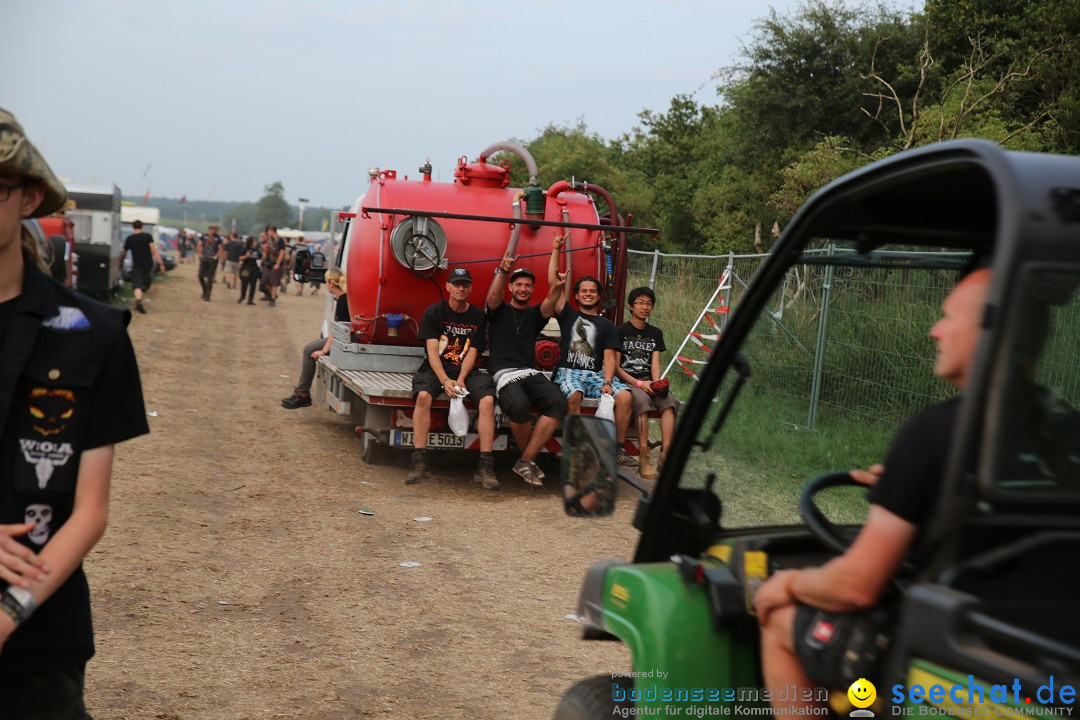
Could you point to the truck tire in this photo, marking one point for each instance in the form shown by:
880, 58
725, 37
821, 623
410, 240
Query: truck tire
591, 699
372, 453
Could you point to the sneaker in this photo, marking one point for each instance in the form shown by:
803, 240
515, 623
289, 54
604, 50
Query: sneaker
139, 308
624, 459
272, 303
250, 302
485, 473
527, 470
418, 468
297, 400
240, 300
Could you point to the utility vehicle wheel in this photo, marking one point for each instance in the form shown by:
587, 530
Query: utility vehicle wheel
591, 699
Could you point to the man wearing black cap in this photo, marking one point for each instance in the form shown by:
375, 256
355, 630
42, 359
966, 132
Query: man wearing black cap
69, 392
514, 326
453, 335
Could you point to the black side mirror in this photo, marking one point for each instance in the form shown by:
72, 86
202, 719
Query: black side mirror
588, 466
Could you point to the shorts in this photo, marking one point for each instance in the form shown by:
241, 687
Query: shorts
643, 402
271, 276
587, 382
141, 277
232, 267
478, 383
516, 399
836, 649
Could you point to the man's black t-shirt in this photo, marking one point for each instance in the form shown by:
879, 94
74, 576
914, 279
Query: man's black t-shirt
636, 348
78, 390
584, 340
139, 245
915, 464
513, 336
457, 333
233, 250
210, 247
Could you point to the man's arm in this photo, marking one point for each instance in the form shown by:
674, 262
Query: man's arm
553, 271
853, 581
611, 362
467, 366
495, 291
67, 548
432, 347
555, 291
157, 256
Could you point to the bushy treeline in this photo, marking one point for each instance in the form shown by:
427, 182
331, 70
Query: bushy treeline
821, 92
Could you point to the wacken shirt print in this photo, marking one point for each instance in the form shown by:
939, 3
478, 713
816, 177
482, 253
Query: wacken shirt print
637, 347
456, 332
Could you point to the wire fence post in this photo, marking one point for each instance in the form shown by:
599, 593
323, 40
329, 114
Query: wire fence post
655, 263
730, 272
819, 351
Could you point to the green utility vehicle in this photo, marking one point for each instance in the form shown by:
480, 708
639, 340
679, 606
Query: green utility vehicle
824, 356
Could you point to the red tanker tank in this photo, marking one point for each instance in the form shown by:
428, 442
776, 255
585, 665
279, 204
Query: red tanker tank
409, 233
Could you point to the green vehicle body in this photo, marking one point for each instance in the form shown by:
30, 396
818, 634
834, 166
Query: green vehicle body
687, 633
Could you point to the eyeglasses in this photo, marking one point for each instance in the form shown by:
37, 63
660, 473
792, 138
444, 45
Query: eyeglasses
5, 190
643, 303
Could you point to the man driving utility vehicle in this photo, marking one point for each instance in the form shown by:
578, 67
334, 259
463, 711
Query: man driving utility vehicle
818, 624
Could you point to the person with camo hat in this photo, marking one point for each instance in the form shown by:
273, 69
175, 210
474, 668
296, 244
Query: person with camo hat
69, 391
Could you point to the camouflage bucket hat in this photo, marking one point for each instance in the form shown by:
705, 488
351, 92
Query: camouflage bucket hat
19, 157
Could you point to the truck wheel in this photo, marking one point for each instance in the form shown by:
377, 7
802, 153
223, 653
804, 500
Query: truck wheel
372, 453
593, 698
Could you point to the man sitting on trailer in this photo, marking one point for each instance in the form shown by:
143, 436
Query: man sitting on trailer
453, 334
514, 326
590, 349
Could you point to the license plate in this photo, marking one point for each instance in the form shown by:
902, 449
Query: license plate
404, 438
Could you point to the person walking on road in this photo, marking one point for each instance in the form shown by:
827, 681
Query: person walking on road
210, 255
249, 270
69, 392
143, 254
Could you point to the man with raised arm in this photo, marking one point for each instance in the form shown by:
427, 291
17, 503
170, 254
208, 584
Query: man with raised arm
514, 327
590, 349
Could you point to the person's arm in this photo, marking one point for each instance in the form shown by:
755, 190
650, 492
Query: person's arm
553, 270
555, 291
495, 291
66, 549
157, 256
18, 562
467, 365
432, 347
852, 581
611, 362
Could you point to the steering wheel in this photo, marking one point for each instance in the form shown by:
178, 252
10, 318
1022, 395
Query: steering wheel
821, 527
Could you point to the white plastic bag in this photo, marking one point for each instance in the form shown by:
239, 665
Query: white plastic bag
459, 417
607, 408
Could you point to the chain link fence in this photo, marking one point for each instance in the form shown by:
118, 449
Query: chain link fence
836, 340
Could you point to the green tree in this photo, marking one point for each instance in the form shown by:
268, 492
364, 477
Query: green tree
272, 209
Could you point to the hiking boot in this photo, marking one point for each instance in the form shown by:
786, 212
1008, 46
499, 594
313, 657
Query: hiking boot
139, 308
418, 468
645, 466
297, 400
250, 302
485, 472
528, 472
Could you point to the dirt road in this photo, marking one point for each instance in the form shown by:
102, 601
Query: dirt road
237, 579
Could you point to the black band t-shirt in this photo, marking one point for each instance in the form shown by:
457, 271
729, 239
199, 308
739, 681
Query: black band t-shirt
456, 332
210, 247
233, 250
584, 340
139, 245
513, 336
636, 348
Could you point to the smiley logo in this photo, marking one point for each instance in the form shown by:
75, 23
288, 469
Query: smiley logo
862, 693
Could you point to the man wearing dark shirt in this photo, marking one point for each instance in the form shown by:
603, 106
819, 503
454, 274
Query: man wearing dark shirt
589, 354
453, 335
210, 255
514, 327
143, 254
804, 613
639, 367
234, 248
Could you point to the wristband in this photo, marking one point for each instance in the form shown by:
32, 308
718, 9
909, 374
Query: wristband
606, 382
18, 604
640, 383
499, 270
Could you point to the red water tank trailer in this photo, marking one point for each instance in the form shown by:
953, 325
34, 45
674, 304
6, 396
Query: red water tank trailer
409, 234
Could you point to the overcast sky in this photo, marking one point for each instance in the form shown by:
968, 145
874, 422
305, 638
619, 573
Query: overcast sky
221, 97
